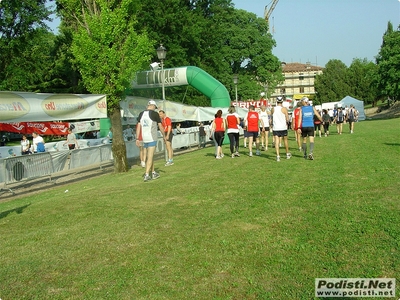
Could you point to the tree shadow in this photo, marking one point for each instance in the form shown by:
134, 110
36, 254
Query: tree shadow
18, 210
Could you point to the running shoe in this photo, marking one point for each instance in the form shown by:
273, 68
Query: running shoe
169, 163
288, 155
143, 164
250, 154
146, 178
155, 175
258, 152
310, 156
278, 158
218, 157
233, 155
237, 154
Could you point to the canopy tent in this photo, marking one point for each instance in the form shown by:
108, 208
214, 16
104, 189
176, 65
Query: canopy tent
358, 104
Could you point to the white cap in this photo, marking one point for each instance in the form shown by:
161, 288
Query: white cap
152, 102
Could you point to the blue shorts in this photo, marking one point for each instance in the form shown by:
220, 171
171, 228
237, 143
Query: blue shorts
253, 134
150, 144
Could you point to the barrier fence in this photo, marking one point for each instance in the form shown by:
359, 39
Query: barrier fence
21, 168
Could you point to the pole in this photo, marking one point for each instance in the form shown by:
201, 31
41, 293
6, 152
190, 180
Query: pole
162, 79
236, 95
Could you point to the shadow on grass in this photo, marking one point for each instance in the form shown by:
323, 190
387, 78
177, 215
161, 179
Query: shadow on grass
18, 210
392, 144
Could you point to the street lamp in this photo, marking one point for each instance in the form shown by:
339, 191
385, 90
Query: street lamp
235, 81
162, 54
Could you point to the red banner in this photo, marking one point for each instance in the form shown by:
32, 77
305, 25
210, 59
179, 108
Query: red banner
42, 128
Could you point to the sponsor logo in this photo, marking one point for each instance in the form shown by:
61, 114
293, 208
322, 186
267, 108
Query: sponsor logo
62, 106
13, 106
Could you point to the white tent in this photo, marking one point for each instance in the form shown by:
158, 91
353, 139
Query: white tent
358, 104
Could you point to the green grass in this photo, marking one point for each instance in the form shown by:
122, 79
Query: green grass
243, 228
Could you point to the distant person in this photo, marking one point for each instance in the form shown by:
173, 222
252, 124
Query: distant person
253, 124
139, 144
110, 135
148, 121
128, 133
25, 145
232, 122
306, 126
339, 120
296, 114
219, 127
317, 125
38, 143
202, 135
326, 121
280, 119
265, 116
167, 124
351, 117
71, 140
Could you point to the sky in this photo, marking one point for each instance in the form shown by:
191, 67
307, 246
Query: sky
317, 31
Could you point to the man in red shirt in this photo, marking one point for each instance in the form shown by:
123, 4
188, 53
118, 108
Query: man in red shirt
167, 124
253, 122
296, 114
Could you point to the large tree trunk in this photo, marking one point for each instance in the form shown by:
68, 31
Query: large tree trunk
118, 143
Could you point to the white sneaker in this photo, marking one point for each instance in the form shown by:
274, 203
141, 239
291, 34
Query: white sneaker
169, 163
250, 154
288, 155
278, 158
218, 157
143, 164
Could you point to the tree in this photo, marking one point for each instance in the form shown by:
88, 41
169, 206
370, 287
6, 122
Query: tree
332, 84
361, 77
25, 45
107, 52
218, 39
388, 61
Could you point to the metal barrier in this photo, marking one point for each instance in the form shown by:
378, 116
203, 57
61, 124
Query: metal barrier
27, 167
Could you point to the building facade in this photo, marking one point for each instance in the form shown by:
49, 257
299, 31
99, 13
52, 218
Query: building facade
299, 80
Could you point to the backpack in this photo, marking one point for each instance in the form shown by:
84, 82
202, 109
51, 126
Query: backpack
40, 147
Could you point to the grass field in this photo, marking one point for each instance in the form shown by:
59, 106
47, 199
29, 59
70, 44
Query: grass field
243, 228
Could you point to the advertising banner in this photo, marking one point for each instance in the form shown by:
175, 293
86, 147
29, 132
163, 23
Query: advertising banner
32, 107
43, 128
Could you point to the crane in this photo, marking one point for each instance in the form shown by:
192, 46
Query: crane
268, 11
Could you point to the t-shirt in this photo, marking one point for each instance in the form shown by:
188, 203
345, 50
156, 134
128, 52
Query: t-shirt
232, 122
264, 117
279, 119
219, 124
167, 122
252, 119
149, 120
296, 115
307, 113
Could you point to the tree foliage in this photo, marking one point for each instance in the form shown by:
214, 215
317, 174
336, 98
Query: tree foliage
388, 62
107, 52
25, 45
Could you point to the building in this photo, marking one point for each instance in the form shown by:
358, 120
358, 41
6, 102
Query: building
299, 80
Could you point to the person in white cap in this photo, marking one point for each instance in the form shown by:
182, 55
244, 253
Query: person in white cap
148, 121
280, 119
305, 125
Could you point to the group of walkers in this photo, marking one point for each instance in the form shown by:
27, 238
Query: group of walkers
257, 125
305, 120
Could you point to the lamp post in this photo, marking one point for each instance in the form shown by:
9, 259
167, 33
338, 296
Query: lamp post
162, 53
235, 82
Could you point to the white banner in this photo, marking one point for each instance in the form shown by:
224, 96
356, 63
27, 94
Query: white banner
32, 107
132, 106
